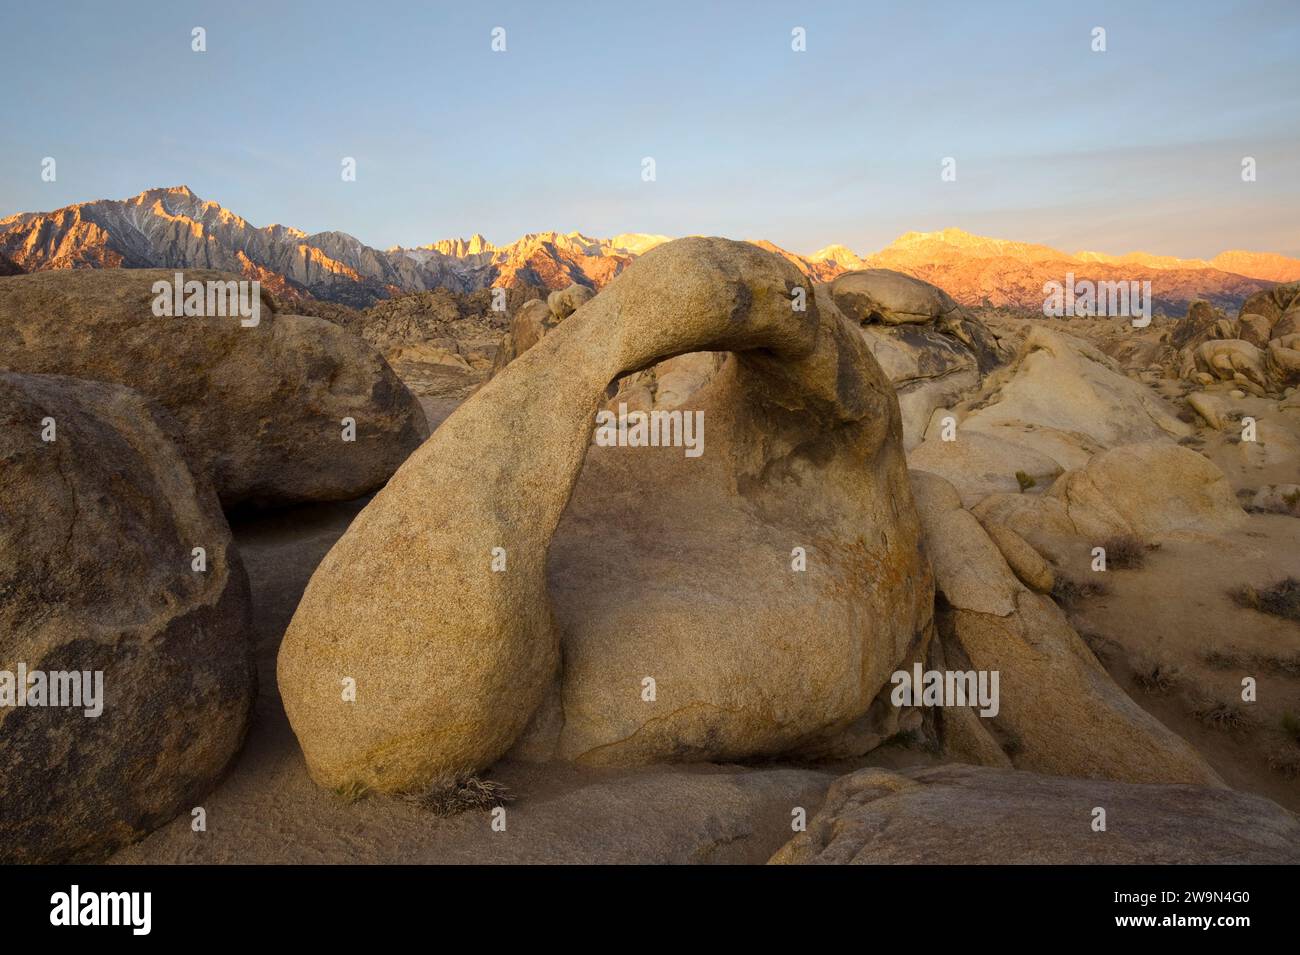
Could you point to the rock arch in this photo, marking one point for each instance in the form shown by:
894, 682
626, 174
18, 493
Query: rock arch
453, 660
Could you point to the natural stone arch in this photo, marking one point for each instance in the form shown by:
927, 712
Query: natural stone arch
452, 660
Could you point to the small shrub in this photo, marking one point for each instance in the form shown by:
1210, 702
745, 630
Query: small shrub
1025, 481
1277, 663
1284, 760
1126, 552
1157, 677
1222, 660
1069, 592
467, 795
1222, 715
1282, 599
354, 791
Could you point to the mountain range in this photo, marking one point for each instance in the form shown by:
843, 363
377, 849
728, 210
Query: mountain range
174, 228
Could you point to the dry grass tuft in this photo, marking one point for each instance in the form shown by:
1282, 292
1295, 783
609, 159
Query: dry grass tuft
1223, 659
1223, 715
1282, 599
1157, 677
354, 791
468, 795
1069, 592
1285, 761
1126, 552
1278, 663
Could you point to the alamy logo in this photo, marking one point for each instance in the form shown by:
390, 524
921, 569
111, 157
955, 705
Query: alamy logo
651, 429
103, 908
71, 688
1086, 299
214, 298
947, 688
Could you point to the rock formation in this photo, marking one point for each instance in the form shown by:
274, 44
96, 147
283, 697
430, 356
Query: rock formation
98, 530
1258, 352
452, 659
261, 408
968, 815
1056, 405
1059, 711
931, 349
1151, 491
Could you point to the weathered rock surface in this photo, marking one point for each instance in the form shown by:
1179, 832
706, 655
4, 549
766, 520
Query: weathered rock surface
930, 348
564, 302
969, 815
1025, 562
1202, 323
1259, 352
97, 531
1277, 499
1062, 387
530, 323
261, 408
1229, 360
1059, 710
1150, 490
1275, 303
1282, 362
452, 660
979, 464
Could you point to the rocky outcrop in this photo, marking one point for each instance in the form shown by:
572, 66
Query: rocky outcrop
530, 324
980, 464
1059, 388
1231, 360
931, 349
1202, 323
1259, 352
1059, 712
262, 407
968, 815
99, 527
678, 660
1282, 362
1274, 304
564, 302
1059, 403
534, 319
1150, 491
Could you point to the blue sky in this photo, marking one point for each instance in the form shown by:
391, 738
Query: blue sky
1137, 147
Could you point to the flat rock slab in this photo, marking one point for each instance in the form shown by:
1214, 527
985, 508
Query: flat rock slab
959, 814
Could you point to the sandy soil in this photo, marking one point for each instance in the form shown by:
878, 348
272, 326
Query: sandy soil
1175, 613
